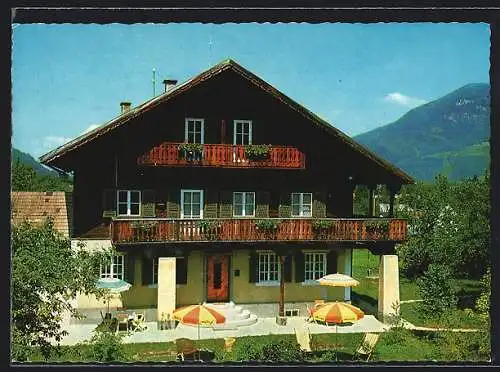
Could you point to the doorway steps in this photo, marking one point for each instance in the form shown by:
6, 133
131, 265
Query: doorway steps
235, 315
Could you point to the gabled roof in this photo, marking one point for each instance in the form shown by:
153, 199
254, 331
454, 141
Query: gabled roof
35, 207
48, 158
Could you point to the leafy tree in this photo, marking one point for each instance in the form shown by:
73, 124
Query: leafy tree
46, 275
448, 225
483, 302
25, 178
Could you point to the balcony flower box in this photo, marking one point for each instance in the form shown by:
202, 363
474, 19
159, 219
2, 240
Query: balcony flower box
377, 229
321, 228
191, 151
257, 152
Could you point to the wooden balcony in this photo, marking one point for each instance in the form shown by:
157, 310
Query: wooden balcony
228, 156
285, 229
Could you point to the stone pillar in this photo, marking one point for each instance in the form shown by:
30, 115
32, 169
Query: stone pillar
347, 271
166, 286
388, 287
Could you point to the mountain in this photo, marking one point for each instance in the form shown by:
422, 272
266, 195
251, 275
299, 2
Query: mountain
449, 136
27, 159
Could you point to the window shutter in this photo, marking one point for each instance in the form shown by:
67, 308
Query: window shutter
147, 270
210, 210
299, 267
129, 268
109, 203
181, 270
148, 203
253, 268
173, 203
262, 204
319, 204
288, 268
285, 208
226, 204
331, 262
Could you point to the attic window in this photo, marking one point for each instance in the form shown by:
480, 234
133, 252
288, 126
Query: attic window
49, 193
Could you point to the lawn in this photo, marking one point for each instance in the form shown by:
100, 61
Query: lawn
365, 269
398, 345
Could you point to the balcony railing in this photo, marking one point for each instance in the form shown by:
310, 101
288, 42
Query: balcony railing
288, 229
229, 156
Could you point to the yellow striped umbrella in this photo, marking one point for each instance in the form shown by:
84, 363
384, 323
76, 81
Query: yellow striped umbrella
338, 312
198, 315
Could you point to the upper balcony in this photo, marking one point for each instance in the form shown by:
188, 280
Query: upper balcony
220, 155
253, 230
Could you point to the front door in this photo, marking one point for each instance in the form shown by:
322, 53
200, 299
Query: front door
218, 278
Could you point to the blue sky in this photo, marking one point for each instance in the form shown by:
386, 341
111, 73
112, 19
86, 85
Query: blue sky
69, 78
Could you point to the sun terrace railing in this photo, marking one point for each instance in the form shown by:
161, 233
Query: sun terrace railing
284, 229
219, 155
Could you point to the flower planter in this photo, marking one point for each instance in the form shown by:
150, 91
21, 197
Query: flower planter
281, 320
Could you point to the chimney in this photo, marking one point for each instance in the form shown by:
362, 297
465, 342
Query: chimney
125, 106
169, 84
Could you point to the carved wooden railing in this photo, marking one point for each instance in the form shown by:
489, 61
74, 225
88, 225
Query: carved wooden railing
284, 229
229, 156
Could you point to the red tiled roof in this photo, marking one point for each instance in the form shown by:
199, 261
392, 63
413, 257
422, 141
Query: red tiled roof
37, 206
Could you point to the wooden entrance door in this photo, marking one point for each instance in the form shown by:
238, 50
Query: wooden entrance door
218, 278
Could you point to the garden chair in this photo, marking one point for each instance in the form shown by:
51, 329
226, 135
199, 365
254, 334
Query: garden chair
138, 324
367, 346
121, 320
303, 339
186, 349
310, 313
228, 344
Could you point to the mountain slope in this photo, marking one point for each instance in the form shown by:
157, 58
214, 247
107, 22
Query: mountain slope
27, 159
449, 136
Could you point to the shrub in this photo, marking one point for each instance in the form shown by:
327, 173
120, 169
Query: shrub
106, 346
248, 349
282, 351
473, 346
437, 291
483, 302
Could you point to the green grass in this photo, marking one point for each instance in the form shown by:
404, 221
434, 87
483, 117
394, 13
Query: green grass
397, 345
366, 294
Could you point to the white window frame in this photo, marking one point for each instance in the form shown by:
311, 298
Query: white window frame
129, 203
314, 254
301, 204
110, 271
186, 129
244, 194
266, 271
235, 124
182, 204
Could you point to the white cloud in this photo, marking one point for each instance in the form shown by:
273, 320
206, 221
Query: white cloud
403, 100
91, 127
49, 142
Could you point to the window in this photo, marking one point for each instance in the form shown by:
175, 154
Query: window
301, 204
269, 267
194, 130
129, 202
180, 271
191, 203
115, 269
243, 204
242, 132
315, 266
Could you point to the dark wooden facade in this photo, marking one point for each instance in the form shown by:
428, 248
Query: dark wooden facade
140, 155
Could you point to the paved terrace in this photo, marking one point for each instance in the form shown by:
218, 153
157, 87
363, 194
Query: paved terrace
263, 327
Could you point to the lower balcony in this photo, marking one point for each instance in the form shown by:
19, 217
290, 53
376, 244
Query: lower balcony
250, 230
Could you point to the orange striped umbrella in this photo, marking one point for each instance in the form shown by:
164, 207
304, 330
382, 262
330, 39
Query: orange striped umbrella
338, 312
198, 315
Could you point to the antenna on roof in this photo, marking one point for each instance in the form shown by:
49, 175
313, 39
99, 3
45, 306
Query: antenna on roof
154, 82
210, 48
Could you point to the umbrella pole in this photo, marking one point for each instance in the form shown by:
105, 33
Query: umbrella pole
336, 342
